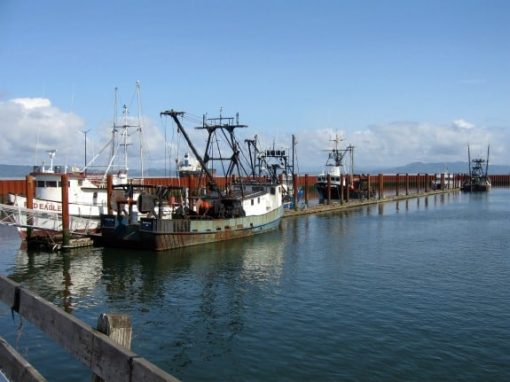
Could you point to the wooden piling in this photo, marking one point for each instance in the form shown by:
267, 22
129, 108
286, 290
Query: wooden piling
118, 328
347, 188
369, 187
342, 189
306, 189
295, 191
397, 184
29, 185
109, 191
407, 184
427, 183
190, 187
65, 209
328, 188
381, 186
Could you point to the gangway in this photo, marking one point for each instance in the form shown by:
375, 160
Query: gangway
49, 221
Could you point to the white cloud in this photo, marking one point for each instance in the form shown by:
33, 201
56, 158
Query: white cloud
461, 124
400, 143
30, 126
32, 103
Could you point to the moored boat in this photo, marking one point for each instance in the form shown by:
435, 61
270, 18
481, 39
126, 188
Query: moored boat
478, 179
174, 217
86, 188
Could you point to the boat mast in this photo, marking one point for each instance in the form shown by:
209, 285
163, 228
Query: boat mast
174, 115
293, 149
140, 126
487, 164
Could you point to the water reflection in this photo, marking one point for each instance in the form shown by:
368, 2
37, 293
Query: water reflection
61, 278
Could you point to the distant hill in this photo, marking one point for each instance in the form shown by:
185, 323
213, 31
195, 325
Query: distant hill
14, 171
17, 171
433, 168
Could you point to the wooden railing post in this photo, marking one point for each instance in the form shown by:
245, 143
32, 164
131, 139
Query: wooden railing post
118, 328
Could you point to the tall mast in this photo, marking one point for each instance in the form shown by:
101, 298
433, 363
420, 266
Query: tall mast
487, 164
114, 128
140, 126
293, 148
175, 114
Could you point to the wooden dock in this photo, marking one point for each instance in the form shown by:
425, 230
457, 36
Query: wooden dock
337, 206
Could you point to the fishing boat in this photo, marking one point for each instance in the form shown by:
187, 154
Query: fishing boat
342, 181
188, 166
442, 181
279, 165
168, 217
478, 179
86, 186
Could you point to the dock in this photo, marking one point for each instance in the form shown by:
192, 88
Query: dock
337, 206
57, 230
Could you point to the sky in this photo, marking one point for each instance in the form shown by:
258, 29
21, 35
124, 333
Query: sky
402, 81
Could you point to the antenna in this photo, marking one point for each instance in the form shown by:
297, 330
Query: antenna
51, 154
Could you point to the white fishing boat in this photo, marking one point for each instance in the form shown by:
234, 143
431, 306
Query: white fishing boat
339, 169
86, 188
188, 165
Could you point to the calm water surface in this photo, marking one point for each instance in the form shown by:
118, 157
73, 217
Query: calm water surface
414, 291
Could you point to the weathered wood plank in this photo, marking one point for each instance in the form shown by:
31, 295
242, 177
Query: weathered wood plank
7, 291
103, 356
15, 367
145, 371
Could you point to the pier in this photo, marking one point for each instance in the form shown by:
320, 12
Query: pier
57, 230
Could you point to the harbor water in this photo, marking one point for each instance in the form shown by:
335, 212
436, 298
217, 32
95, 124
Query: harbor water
411, 291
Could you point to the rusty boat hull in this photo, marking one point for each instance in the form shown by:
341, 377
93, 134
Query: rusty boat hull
165, 234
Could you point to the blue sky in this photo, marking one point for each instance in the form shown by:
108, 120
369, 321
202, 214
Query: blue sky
403, 81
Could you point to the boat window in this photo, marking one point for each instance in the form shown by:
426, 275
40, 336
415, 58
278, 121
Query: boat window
258, 200
273, 191
51, 183
80, 182
40, 183
252, 202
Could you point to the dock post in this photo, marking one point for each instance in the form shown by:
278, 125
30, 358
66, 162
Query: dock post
418, 183
342, 188
118, 328
381, 185
348, 188
65, 209
426, 183
407, 184
190, 187
328, 188
306, 190
442, 182
397, 184
294, 191
109, 191
369, 188
29, 181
